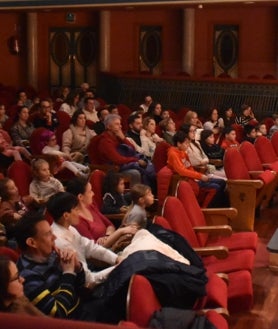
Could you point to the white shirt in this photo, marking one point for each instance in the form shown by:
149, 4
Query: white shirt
85, 249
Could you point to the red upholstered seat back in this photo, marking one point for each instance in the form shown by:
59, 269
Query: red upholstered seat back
64, 123
176, 215
234, 165
265, 150
163, 182
250, 156
10, 253
20, 172
96, 180
140, 308
93, 149
159, 220
160, 156
187, 197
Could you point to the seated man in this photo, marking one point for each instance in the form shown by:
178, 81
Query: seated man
113, 144
53, 277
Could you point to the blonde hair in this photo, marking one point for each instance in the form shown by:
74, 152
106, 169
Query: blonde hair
36, 165
188, 116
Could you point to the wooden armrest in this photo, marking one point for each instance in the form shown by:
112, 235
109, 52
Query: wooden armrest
219, 216
117, 217
219, 252
224, 277
256, 183
266, 165
216, 162
224, 230
255, 173
220, 310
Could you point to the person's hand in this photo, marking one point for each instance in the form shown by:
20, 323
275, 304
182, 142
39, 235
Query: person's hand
101, 241
27, 199
123, 209
131, 229
67, 260
204, 178
142, 163
119, 260
119, 133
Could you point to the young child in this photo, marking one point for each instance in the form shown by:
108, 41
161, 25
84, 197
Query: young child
230, 138
50, 146
274, 128
142, 197
43, 184
8, 150
114, 199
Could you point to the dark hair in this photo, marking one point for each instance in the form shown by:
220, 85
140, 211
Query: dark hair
179, 137
227, 130
3, 189
59, 203
26, 227
18, 111
76, 185
70, 97
204, 135
244, 107
152, 109
133, 117
210, 112
185, 127
87, 99
4, 279
111, 182
100, 110
247, 129
75, 116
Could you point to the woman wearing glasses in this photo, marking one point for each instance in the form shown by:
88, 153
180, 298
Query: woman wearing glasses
12, 298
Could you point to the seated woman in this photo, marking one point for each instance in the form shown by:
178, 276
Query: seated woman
92, 223
12, 206
179, 162
12, 298
211, 149
246, 116
169, 129
214, 123
154, 111
70, 104
148, 137
228, 115
22, 128
50, 146
191, 118
7, 150
76, 139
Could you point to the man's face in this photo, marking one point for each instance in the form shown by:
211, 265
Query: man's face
90, 105
115, 126
136, 125
43, 241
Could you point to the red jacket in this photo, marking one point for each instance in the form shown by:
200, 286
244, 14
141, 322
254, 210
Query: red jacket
107, 150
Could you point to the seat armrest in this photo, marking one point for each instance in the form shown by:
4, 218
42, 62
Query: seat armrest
219, 216
219, 252
223, 230
118, 217
256, 183
255, 173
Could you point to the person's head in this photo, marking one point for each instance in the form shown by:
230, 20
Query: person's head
261, 129
102, 113
165, 114
11, 283
78, 119
155, 109
34, 235
141, 195
22, 114
113, 109
149, 125
190, 131
207, 137
213, 114
8, 189
250, 131
135, 123
62, 206
47, 138
114, 182
40, 169
246, 110
168, 124
22, 96
82, 189
89, 104
227, 111
112, 123
230, 134
84, 86
191, 117
181, 140
275, 118
72, 98
45, 106
148, 100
